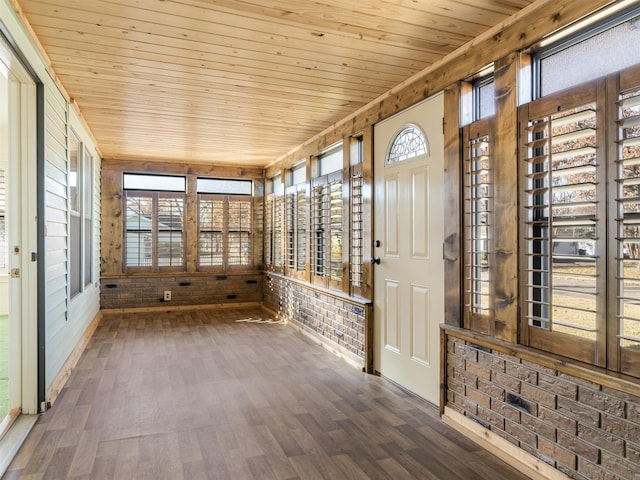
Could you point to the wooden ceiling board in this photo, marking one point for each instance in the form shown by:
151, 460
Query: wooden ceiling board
240, 81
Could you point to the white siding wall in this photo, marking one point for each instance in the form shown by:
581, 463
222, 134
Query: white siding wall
83, 307
66, 321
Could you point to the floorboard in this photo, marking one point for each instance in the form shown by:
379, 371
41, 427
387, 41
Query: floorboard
200, 395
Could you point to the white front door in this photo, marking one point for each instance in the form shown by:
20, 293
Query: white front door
409, 280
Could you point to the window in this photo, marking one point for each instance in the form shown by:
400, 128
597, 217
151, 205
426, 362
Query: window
581, 215
75, 214
296, 220
478, 224
225, 225
564, 237
88, 217
268, 231
80, 180
278, 211
410, 142
357, 229
561, 64
273, 218
154, 223
484, 98
626, 248
327, 220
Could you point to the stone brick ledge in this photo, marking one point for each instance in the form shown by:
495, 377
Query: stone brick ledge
147, 291
333, 318
578, 426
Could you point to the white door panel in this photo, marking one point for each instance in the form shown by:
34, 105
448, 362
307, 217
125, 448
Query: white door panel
409, 281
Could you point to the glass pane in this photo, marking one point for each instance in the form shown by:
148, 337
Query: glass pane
335, 221
562, 223
299, 174
331, 161
139, 227
211, 221
170, 222
268, 231
357, 151
355, 259
290, 225
224, 186
319, 224
166, 183
409, 143
74, 172
486, 99
277, 231
88, 184
75, 256
479, 218
301, 231
88, 252
276, 185
239, 237
566, 68
628, 251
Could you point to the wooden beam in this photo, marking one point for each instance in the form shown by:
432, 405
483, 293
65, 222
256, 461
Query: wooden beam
452, 207
506, 199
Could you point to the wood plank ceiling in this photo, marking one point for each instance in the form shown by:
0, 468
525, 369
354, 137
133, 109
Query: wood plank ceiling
240, 81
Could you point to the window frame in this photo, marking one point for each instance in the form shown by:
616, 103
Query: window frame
296, 221
327, 202
154, 196
473, 317
536, 336
606, 350
227, 201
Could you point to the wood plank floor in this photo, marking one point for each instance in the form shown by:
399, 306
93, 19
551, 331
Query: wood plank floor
200, 395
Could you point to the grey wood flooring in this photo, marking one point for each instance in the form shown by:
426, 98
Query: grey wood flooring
199, 395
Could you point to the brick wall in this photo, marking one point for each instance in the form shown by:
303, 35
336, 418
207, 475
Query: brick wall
147, 291
585, 430
339, 320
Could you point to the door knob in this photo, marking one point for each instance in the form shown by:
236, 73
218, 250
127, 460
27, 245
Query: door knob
375, 260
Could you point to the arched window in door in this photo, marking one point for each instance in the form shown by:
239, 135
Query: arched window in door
409, 142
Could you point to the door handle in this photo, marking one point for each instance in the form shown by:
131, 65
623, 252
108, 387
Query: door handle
374, 260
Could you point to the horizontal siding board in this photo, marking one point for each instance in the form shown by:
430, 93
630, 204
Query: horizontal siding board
54, 201
55, 188
68, 333
54, 173
56, 100
55, 244
55, 155
55, 124
56, 216
56, 271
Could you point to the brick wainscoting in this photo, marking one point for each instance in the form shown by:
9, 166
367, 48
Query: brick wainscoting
340, 322
147, 291
584, 428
